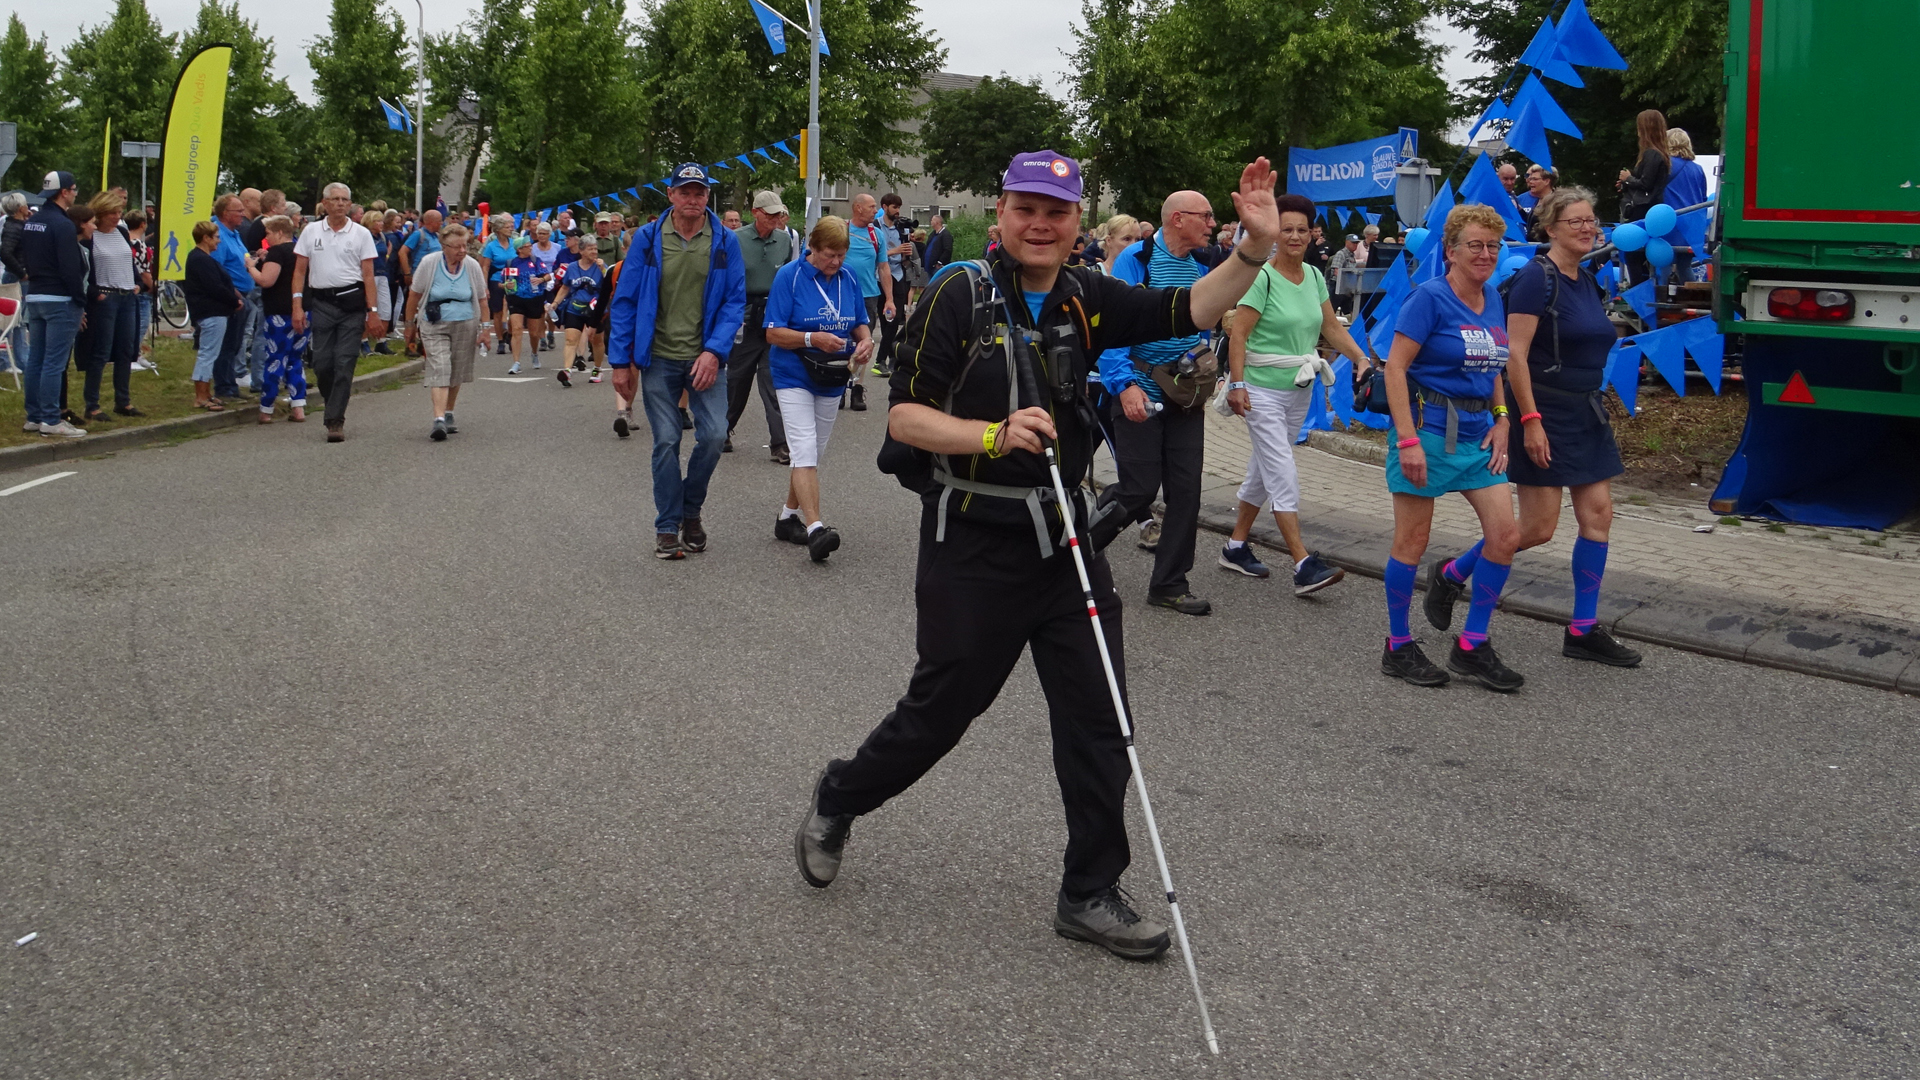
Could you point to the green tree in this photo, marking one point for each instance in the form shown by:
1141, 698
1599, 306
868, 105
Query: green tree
122, 71
469, 78
1141, 128
363, 58
568, 126
712, 88
254, 146
970, 135
30, 97
1672, 51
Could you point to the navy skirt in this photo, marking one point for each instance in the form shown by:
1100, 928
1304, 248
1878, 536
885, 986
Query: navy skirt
1579, 435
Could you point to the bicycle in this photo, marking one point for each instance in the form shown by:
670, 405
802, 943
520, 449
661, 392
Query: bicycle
170, 304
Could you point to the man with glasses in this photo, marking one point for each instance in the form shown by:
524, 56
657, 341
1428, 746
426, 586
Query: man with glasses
1163, 449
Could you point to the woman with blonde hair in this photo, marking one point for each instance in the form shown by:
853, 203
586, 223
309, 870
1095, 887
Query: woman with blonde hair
1122, 230
1450, 434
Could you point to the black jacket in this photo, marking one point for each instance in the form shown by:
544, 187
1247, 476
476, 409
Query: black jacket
50, 251
932, 352
939, 250
10, 247
210, 292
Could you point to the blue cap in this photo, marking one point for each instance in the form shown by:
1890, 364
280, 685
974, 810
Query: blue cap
690, 173
1044, 173
56, 182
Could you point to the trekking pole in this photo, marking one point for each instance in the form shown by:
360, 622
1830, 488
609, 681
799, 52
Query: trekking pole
1029, 388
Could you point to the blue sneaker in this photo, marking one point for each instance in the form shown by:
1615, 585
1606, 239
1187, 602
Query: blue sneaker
1314, 575
1243, 560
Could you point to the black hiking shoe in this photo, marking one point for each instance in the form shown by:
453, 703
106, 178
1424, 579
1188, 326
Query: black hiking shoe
1598, 645
692, 536
791, 530
818, 845
1411, 665
667, 546
1108, 920
1442, 593
622, 426
859, 403
1185, 604
822, 542
1482, 665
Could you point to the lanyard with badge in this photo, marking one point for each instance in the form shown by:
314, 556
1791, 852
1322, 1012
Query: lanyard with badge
832, 308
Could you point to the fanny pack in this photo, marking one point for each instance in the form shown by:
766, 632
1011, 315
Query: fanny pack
827, 370
1187, 382
344, 298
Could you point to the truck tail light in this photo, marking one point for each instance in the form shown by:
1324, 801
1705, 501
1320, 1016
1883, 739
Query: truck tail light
1811, 305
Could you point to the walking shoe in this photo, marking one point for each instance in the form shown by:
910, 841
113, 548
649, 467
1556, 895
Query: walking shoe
1598, 645
579, 365
336, 431
366, 348
452, 428
536, 361
1150, 536
1108, 920
686, 420
98, 416
1410, 664
503, 348
667, 546
882, 372
1442, 592
1243, 560
859, 402
383, 349
595, 377
621, 426
818, 845
822, 542
515, 369
439, 432
790, 529
32, 427
1185, 604
692, 536
781, 456
562, 376
1482, 665
1314, 575
128, 410
64, 429
727, 447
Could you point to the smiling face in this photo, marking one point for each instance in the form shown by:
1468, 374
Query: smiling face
1038, 230
1577, 229
1476, 253
1296, 232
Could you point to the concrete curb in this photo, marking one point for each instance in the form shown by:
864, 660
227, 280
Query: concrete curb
107, 442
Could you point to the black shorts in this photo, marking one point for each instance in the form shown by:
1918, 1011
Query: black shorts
496, 298
578, 320
527, 307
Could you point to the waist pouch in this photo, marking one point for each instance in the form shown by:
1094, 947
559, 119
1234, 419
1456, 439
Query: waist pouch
1455, 406
826, 369
347, 298
1596, 399
1186, 383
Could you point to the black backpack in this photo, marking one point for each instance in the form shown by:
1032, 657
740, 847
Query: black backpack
910, 465
1553, 276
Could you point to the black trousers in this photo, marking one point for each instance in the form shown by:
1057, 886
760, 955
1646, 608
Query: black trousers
335, 354
890, 328
747, 366
1163, 452
983, 596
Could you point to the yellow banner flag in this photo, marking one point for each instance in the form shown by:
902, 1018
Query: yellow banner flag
190, 167
106, 151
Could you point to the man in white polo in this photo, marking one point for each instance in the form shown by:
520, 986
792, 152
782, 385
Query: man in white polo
333, 279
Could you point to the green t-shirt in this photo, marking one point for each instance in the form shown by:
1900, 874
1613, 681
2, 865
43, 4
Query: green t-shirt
678, 324
1289, 322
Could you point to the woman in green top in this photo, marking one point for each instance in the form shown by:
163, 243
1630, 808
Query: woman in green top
1274, 359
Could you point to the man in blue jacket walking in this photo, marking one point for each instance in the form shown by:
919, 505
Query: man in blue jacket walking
670, 325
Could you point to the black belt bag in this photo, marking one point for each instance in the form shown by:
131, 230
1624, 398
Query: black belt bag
827, 370
756, 312
1596, 399
347, 298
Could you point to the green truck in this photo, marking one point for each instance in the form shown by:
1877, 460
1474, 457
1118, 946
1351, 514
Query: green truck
1818, 269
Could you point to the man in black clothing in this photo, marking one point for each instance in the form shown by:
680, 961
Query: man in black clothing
1319, 252
939, 245
994, 577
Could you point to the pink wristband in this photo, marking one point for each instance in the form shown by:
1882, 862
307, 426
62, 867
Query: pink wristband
1408, 442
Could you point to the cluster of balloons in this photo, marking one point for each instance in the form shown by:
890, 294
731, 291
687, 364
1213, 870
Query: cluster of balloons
1650, 236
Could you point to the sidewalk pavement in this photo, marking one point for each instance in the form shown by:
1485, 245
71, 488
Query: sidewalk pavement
1834, 602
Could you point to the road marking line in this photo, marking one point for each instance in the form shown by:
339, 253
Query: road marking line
502, 378
17, 488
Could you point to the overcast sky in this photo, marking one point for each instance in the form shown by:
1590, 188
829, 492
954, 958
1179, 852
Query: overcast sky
975, 31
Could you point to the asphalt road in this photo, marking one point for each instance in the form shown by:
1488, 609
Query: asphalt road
396, 759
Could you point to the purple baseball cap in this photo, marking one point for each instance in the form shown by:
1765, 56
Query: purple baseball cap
1044, 172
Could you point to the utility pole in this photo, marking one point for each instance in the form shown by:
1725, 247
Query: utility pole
420, 110
813, 116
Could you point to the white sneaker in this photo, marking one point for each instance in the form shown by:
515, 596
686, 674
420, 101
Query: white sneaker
514, 370
31, 426
244, 382
536, 361
143, 364
63, 429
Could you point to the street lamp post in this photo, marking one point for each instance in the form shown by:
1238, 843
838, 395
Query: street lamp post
813, 116
420, 109
145, 151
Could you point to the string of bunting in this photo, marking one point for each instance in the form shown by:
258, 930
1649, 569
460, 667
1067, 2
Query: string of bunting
746, 160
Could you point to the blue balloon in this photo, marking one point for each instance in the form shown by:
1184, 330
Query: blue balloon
1629, 238
1659, 253
1661, 220
1416, 239
1515, 263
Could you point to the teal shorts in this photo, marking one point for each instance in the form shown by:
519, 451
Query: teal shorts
1463, 470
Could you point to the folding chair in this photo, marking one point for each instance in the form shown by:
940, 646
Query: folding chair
10, 318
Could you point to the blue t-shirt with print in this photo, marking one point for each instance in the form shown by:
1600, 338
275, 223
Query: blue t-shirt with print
420, 245
498, 255
583, 284
520, 274
802, 298
866, 247
1461, 351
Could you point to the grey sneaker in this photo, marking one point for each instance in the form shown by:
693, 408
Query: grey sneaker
62, 429
821, 840
31, 427
439, 432
452, 428
1150, 536
1108, 920
1185, 604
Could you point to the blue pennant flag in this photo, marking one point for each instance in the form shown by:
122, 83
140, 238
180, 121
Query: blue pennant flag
1534, 92
762, 151
1372, 218
1623, 372
1397, 283
719, 165
396, 119
1543, 55
596, 202
1708, 346
516, 221
1483, 186
1432, 264
1693, 229
824, 51
747, 161
634, 191
1496, 110
1664, 349
1581, 42
1640, 299
771, 25
1528, 135
786, 149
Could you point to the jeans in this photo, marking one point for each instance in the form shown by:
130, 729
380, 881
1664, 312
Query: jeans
51, 327
335, 353
675, 499
114, 324
143, 310
254, 345
209, 337
1166, 450
226, 367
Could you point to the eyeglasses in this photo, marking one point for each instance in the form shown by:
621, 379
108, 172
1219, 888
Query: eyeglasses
1580, 222
1208, 214
1480, 247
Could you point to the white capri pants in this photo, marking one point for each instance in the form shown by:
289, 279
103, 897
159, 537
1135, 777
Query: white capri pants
809, 420
1273, 424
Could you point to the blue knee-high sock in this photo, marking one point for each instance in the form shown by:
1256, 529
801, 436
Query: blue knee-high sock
1460, 567
1399, 600
1488, 579
1589, 566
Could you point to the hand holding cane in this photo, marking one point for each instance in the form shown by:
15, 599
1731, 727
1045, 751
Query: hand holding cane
1029, 390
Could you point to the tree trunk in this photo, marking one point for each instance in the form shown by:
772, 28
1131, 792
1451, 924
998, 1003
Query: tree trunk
473, 163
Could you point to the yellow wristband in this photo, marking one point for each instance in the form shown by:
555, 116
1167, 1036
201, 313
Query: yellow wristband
1499, 410
989, 437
